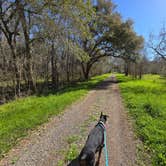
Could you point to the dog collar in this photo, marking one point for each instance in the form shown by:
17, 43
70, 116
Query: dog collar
102, 124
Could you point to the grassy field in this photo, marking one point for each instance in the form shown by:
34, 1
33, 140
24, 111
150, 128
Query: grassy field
146, 102
19, 116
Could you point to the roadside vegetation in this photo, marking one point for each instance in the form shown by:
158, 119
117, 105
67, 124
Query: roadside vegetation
146, 102
19, 116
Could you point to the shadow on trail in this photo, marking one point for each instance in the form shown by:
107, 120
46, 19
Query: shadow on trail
105, 84
46, 90
74, 162
84, 85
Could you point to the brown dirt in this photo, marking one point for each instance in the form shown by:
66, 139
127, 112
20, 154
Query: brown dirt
43, 146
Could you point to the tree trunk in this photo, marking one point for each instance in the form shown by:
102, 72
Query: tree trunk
72, 70
86, 70
16, 70
68, 68
54, 73
135, 70
126, 70
21, 13
12, 45
140, 71
127, 67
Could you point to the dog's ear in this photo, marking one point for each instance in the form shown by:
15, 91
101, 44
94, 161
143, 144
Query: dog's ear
101, 114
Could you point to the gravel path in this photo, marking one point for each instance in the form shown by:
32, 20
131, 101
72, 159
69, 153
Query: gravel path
42, 147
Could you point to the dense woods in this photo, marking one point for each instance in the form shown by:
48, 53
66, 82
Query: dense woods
49, 43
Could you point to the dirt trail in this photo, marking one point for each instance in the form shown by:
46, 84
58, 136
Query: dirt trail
42, 147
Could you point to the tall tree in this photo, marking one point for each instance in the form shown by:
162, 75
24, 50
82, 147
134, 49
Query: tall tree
9, 25
24, 12
110, 37
158, 43
68, 20
127, 43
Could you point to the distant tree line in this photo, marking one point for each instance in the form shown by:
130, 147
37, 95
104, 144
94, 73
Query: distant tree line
144, 66
50, 43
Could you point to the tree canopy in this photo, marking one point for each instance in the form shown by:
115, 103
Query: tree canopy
111, 36
60, 41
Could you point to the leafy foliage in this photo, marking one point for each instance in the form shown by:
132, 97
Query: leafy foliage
111, 36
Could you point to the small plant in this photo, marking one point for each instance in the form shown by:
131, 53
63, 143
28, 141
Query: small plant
93, 117
72, 153
14, 160
152, 109
61, 163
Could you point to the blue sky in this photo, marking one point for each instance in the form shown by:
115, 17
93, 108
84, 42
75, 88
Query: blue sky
148, 15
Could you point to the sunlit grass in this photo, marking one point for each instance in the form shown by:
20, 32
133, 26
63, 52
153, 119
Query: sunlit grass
146, 102
17, 117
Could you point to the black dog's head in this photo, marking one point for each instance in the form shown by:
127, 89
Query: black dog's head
103, 117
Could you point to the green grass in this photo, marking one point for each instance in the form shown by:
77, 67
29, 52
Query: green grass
18, 117
72, 152
146, 101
